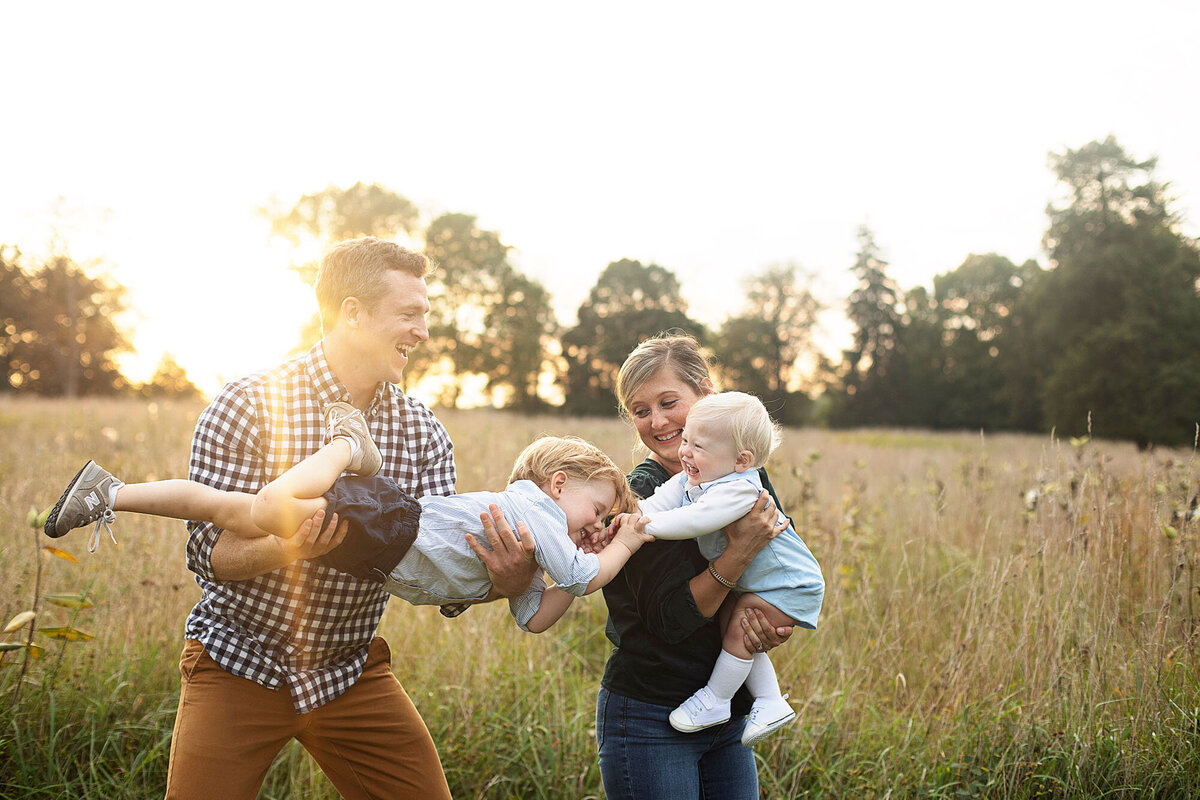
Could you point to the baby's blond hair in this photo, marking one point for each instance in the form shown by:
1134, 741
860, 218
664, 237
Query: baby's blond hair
579, 459
745, 418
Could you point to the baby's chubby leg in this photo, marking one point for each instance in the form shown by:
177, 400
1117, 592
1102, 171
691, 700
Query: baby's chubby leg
734, 641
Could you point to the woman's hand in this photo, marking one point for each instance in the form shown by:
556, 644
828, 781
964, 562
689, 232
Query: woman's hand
758, 634
756, 529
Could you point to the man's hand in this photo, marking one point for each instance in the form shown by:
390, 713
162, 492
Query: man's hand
509, 562
310, 541
237, 558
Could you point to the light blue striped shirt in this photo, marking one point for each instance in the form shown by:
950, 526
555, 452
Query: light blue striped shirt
441, 568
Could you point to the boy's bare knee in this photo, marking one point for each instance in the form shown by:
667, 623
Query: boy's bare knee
264, 511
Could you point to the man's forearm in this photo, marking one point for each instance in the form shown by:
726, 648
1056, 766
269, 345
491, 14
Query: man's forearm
237, 558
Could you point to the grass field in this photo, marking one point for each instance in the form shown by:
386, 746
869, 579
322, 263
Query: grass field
974, 642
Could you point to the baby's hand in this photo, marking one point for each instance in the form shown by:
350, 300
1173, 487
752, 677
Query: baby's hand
633, 528
595, 542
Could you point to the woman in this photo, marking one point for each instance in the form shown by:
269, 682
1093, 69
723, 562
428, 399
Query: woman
663, 610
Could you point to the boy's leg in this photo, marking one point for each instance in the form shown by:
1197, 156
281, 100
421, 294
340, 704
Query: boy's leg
228, 730
181, 499
371, 742
284, 503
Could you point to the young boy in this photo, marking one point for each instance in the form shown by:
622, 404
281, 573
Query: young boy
726, 438
418, 550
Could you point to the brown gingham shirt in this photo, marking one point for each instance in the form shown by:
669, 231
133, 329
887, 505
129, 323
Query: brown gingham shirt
304, 628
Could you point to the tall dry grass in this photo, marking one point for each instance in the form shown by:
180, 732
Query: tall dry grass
973, 643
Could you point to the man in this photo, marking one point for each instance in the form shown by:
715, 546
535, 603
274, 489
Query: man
279, 646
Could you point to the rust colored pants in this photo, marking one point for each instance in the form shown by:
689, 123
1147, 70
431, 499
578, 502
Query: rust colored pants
370, 742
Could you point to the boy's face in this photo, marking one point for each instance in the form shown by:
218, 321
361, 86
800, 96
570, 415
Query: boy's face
706, 452
586, 504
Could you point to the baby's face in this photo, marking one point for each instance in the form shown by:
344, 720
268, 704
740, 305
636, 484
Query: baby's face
706, 452
586, 504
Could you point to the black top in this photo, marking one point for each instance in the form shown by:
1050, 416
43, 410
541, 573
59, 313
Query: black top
664, 648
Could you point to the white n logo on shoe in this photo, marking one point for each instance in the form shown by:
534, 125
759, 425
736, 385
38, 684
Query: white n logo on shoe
92, 500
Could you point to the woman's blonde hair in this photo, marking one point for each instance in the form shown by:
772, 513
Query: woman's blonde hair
680, 352
745, 418
579, 459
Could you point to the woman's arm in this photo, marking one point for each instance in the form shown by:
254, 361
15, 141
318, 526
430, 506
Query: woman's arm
746, 537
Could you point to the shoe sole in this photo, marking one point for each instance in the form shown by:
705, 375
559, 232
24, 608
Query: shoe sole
52, 520
692, 728
750, 741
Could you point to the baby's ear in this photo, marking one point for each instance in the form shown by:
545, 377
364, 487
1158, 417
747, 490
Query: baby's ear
745, 460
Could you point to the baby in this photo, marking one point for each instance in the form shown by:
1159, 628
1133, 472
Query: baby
726, 438
417, 549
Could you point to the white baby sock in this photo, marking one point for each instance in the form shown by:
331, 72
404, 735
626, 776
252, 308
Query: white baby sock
762, 681
728, 674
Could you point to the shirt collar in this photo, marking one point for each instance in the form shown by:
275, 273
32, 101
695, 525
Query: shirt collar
329, 389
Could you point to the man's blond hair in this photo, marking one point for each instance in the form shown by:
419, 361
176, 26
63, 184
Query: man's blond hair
578, 459
744, 418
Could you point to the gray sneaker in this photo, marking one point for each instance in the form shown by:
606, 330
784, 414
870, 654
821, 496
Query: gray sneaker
343, 419
85, 500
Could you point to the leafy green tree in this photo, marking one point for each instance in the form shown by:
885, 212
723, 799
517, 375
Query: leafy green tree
523, 329
470, 271
60, 337
170, 380
976, 304
758, 351
873, 381
319, 220
1121, 303
630, 302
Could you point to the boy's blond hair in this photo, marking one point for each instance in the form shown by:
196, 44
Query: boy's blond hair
580, 460
746, 420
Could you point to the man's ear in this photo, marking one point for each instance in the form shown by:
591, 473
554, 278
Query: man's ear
349, 311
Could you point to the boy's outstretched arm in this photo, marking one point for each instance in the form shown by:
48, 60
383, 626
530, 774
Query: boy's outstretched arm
553, 605
629, 537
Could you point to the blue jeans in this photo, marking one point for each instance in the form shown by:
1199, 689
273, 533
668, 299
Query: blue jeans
643, 758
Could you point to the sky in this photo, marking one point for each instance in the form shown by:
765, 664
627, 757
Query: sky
713, 139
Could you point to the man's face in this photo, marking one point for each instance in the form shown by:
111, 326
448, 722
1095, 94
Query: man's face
385, 336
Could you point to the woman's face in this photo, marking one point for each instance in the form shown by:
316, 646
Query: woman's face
659, 408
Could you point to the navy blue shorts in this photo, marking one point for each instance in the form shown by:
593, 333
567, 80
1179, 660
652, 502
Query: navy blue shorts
384, 522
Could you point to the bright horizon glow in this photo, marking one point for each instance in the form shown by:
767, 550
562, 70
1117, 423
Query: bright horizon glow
714, 143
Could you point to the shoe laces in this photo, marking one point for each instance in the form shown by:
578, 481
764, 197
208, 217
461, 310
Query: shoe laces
106, 519
758, 711
697, 703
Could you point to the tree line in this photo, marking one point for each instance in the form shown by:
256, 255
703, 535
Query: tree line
1105, 340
